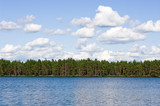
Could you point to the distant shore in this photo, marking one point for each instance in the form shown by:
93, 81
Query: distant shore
73, 76
79, 68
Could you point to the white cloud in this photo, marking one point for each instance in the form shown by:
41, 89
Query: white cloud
91, 48
84, 32
137, 48
138, 52
104, 55
57, 31
81, 55
39, 42
66, 55
108, 17
40, 48
10, 48
155, 50
151, 58
82, 46
98, 32
125, 56
81, 42
27, 19
149, 26
81, 21
32, 28
120, 35
43, 48
7, 26
105, 17
133, 23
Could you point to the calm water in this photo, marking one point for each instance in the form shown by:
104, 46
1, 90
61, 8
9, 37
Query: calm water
81, 91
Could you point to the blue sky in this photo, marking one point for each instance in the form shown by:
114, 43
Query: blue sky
104, 29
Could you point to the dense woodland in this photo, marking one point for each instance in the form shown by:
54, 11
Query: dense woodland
71, 67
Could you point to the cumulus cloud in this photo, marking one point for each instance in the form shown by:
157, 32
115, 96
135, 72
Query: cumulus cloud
57, 31
43, 48
155, 50
103, 55
125, 56
84, 32
108, 17
81, 21
98, 32
149, 26
40, 42
81, 55
133, 23
81, 42
141, 49
10, 48
32, 28
105, 17
83, 46
39, 48
27, 19
151, 58
8, 26
91, 48
118, 35
137, 52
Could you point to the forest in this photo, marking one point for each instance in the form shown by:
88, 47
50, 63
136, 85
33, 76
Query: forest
84, 67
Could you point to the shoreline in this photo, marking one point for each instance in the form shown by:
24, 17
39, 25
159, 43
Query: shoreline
75, 76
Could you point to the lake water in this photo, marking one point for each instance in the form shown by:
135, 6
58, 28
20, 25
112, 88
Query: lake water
79, 91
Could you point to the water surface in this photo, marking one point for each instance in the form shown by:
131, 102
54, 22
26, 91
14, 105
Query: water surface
79, 91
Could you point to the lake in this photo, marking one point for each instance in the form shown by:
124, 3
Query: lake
79, 91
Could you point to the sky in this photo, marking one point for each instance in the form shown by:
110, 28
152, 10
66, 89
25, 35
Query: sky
112, 30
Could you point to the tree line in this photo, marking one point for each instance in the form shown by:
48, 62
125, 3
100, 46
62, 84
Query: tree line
84, 67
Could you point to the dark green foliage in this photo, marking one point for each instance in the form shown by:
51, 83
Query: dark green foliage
71, 67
